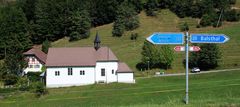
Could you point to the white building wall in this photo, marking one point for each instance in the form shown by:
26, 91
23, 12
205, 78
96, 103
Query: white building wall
125, 77
109, 76
34, 65
75, 79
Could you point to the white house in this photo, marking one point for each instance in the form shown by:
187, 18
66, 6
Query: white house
35, 59
85, 65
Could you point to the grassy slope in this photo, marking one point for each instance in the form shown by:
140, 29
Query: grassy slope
130, 52
238, 4
214, 89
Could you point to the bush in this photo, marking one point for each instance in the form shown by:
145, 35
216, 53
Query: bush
34, 76
232, 15
151, 12
134, 36
206, 20
141, 66
132, 23
22, 84
39, 89
216, 24
10, 79
184, 27
232, 1
198, 26
74, 36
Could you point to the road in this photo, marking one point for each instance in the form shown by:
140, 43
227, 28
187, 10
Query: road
202, 72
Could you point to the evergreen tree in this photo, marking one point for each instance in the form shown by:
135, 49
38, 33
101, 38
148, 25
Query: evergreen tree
45, 46
151, 7
80, 25
138, 5
118, 28
49, 21
129, 16
14, 40
103, 11
182, 8
126, 19
14, 31
28, 7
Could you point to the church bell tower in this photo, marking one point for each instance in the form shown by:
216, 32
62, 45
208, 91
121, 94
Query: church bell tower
97, 42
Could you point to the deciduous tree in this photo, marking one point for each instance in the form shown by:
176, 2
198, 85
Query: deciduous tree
207, 58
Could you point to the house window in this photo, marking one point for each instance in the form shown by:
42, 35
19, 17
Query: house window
36, 66
70, 71
30, 66
57, 73
82, 72
103, 72
112, 71
33, 59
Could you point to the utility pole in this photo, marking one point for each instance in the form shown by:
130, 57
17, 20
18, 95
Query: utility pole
148, 65
186, 48
220, 16
5, 51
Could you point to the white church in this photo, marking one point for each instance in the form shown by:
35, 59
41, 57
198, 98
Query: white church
85, 65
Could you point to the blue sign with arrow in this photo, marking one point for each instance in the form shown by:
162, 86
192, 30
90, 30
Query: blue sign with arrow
208, 38
166, 38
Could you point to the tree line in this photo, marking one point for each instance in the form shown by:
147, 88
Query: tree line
211, 12
162, 56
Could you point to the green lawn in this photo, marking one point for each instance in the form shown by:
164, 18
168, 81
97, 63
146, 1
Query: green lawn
130, 52
208, 90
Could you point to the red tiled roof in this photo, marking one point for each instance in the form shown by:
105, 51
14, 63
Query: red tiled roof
123, 68
78, 56
38, 53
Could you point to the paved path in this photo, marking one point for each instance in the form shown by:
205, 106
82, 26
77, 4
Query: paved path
202, 72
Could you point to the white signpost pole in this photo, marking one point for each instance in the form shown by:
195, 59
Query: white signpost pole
187, 97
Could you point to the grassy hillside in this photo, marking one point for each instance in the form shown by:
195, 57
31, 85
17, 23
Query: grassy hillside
206, 90
130, 51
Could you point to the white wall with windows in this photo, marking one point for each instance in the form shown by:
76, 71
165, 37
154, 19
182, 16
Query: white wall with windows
103, 72
34, 65
125, 77
106, 72
69, 76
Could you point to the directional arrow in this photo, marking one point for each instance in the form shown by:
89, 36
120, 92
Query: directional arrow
208, 38
191, 48
166, 38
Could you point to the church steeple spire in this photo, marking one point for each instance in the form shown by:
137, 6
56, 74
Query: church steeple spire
97, 42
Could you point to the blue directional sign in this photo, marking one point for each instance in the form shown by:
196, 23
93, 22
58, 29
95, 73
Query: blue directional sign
208, 38
166, 38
